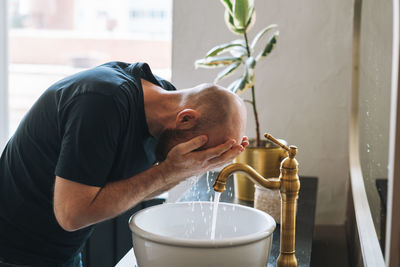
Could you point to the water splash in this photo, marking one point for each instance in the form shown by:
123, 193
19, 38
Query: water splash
208, 182
215, 211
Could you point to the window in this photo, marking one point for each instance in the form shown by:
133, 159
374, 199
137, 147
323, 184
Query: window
51, 39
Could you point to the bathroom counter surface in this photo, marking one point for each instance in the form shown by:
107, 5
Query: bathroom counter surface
304, 220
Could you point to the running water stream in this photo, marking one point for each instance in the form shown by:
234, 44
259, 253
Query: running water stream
215, 212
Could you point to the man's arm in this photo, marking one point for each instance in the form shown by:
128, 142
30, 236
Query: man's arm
77, 205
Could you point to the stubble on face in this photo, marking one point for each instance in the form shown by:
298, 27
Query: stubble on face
170, 138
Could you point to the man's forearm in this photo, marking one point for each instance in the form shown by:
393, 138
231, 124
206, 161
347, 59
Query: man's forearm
115, 198
77, 205
119, 196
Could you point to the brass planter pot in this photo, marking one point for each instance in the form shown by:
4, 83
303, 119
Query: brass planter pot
265, 160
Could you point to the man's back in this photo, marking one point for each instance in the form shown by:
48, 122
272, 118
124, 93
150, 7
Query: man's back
89, 128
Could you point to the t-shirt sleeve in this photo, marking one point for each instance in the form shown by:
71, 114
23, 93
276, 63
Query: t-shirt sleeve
90, 127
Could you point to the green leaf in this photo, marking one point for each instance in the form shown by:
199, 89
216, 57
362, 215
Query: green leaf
240, 13
251, 19
238, 51
230, 23
228, 5
247, 80
269, 47
239, 16
251, 63
237, 84
215, 62
249, 76
224, 48
241, 84
251, 4
252, 11
227, 71
261, 34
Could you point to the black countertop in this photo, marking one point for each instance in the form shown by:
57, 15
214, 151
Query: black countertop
202, 191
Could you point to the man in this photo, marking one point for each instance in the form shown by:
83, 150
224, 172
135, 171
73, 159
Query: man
86, 152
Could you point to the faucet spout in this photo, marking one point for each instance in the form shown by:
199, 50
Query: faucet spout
253, 175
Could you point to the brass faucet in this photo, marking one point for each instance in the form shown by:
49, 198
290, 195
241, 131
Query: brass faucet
289, 185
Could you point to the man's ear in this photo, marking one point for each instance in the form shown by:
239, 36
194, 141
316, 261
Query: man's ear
186, 119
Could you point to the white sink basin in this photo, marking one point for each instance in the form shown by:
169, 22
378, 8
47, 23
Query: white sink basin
178, 234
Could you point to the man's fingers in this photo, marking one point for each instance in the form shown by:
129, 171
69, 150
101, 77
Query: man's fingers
245, 141
192, 144
216, 151
228, 156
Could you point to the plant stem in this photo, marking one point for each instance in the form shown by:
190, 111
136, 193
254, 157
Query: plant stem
258, 140
247, 44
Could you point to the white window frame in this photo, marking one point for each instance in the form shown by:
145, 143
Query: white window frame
369, 245
392, 255
3, 74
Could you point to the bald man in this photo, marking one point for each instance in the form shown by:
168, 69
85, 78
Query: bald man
97, 143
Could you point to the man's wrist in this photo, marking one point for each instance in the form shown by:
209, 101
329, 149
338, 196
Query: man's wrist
165, 172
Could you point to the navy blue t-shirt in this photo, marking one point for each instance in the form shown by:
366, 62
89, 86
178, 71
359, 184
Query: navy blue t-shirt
89, 128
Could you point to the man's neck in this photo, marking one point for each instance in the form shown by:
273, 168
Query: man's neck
161, 107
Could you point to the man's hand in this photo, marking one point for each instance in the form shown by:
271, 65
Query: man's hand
184, 161
77, 205
244, 144
245, 141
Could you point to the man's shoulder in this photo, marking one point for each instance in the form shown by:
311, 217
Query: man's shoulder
110, 75
106, 79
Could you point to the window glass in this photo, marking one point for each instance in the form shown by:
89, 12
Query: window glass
50, 39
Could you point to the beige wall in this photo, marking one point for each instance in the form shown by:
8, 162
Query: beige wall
303, 88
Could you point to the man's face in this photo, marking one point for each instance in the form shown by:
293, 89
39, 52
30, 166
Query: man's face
168, 139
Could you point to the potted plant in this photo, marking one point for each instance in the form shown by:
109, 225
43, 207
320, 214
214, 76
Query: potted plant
241, 56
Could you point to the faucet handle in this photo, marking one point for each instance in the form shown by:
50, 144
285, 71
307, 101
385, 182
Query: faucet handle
291, 149
273, 139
